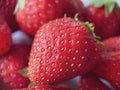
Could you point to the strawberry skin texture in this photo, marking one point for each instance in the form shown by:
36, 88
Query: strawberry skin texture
7, 10
47, 87
109, 67
81, 9
5, 37
37, 12
90, 81
69, 8
10, 65
105, 26
62, 49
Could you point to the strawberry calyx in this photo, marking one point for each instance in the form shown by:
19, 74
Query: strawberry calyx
109, 5
24, 71
20, 5
31, 84
91, 28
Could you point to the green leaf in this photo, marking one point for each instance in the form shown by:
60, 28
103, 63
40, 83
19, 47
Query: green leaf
20, 5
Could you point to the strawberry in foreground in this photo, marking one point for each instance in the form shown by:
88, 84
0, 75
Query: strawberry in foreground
5, 37
7, 10
91, 82
109, 67
62, 49
10, 65
105, 18
47, 87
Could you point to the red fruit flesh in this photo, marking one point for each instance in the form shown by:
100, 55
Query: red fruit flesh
5, 37
10, 65
91, 82
62, 49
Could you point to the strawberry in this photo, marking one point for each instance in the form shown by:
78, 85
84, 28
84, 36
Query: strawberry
90, 81
37, 12
5, 37
62, 49
10, 66
32, 16
7, 10
47, 87
106, 23
81, 9
109, 67
69, 8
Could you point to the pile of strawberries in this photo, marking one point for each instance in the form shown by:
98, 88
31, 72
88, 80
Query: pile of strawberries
66, 39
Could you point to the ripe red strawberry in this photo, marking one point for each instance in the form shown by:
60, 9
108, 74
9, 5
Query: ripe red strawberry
109, 67
105, 26
7, 10
91, 82
10, 65
62, 49
37, 12
34, 15
5, 37
48, 87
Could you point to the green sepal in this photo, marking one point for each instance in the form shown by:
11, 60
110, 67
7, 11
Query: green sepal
97, 3
20, 5
108, 4
109, 7
91, 29
31, 84
24, 71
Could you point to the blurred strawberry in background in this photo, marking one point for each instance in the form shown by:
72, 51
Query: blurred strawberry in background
109, 67
90, 81
105, 26
11, 65
5, 37
104, 15
7, 10
38, 12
